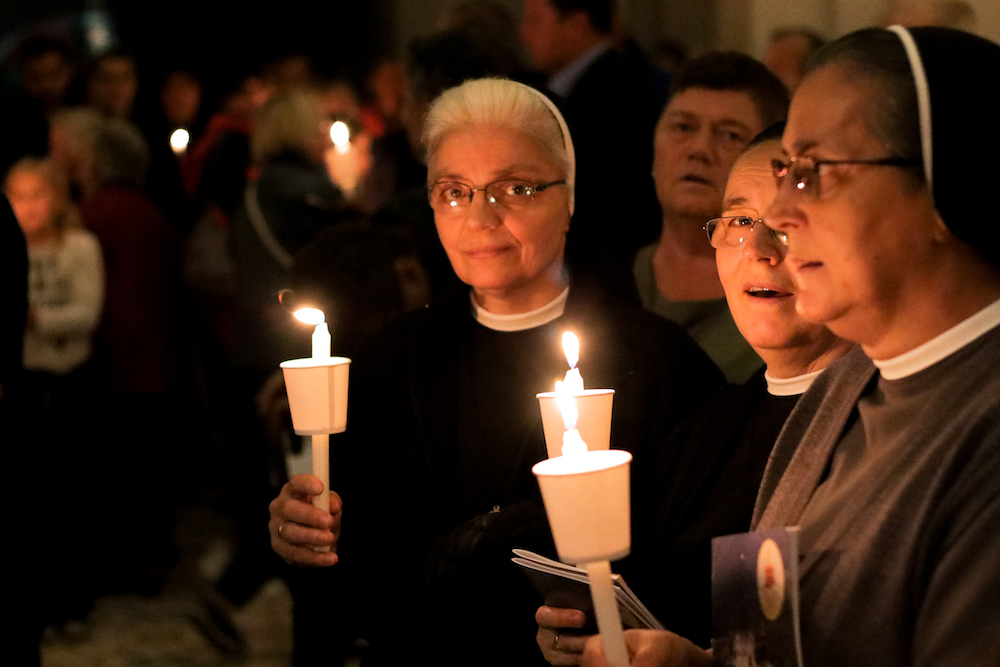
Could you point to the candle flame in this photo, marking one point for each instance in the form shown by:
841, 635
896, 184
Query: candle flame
571, 346
179, 140
310, 315
340, 134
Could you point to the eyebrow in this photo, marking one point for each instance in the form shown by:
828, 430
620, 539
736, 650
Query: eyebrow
801, 147
500, 175
735, 201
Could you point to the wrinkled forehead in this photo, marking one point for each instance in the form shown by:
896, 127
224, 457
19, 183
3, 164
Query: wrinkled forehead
833, 113
751, 182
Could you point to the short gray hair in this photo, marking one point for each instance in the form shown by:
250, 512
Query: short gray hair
121, 154
502, 103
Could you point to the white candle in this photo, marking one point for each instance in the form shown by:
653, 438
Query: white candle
572, 440
320, 442
571, 347
574, 450
609, 621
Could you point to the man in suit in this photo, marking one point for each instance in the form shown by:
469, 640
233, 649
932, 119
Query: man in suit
611, 97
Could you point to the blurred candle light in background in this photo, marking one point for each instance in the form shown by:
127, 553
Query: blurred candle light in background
179, 140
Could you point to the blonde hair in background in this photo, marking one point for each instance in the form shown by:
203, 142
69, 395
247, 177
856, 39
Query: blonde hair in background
501, 103
67, 215
288, 121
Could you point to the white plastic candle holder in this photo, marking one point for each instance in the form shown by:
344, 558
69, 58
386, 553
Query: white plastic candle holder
594, 421
586, 498
317, 394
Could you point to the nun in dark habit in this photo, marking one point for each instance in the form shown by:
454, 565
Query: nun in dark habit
890, 463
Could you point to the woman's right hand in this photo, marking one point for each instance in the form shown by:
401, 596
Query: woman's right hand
297, 527
558, 638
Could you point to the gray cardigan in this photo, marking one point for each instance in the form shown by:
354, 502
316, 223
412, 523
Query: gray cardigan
896, 485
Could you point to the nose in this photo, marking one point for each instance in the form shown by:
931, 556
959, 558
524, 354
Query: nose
761, 246
702, 145
480, 213
784, 212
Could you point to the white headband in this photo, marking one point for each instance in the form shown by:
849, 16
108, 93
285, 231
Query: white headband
567, 143
923, 101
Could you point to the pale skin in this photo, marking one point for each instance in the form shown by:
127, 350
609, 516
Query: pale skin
697, 139
870, 255
513, 262
761, 296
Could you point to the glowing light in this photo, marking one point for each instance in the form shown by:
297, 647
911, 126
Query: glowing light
310, 316
340, 134
179, 140
571, 347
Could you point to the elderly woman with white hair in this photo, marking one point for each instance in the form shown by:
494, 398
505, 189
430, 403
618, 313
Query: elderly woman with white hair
434, 471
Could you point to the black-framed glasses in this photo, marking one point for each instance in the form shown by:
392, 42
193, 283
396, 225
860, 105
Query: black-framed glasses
733, 231
804, 170
507, 193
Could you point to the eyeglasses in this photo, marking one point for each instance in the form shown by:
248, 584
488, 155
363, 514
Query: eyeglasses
734, 230
804, 170
447, 196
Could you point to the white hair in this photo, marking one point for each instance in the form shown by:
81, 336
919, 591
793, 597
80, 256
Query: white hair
503, 103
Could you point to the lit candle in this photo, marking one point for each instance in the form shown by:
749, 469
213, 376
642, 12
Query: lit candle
321, 334
320, 441
179, 141
572, 441
604, 543
571, 347
340, 135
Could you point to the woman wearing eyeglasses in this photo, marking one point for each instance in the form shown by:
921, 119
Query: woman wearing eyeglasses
891, 462
705, 482
434, 470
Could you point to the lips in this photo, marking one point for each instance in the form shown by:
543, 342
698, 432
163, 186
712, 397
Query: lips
695, 178
767, 292
487, 251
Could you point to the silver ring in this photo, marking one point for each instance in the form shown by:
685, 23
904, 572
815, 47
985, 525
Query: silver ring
555, 643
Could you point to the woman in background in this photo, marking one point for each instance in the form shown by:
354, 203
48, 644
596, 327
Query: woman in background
65, 300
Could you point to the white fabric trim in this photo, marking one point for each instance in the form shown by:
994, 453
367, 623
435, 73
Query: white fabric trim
923, 101
520, 321
567, 144
790, 386
941, 346
259, 224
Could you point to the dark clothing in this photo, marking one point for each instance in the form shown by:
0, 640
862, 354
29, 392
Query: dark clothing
23, 631
612, 112
295, 199
444, 427
703, 486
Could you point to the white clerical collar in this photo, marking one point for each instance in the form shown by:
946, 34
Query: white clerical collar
520, 321
790, 386
941, 346
563, 81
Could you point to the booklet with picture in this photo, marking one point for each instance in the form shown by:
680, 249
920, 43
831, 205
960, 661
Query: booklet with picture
568, 586
755, 599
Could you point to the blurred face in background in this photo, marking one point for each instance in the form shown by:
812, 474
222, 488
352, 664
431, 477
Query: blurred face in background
35, 201
697, 139
113, 85
548, 36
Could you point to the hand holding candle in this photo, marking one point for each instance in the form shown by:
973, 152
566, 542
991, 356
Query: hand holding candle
317, 397
586, 496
